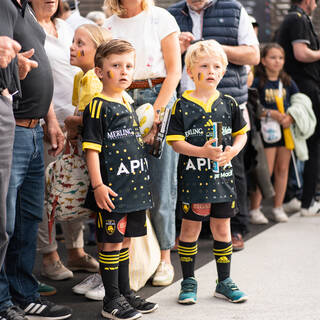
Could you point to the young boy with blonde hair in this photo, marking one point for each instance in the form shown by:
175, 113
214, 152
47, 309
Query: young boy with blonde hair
205, 176
120, 184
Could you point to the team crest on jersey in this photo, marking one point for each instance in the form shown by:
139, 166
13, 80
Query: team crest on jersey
185, 207
110, 227
122, 225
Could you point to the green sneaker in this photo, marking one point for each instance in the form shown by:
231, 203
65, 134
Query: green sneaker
227, 289
46, 290
188, 293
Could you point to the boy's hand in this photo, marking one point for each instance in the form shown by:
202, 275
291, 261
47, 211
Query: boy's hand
227, 155
101, 194
210, 152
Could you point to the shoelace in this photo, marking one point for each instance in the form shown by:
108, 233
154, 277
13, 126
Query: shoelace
232, 286
13, 312
188, 287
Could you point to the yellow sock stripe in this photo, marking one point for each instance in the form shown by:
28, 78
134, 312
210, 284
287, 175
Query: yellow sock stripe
188, 248
108, 255
187, 252
124, 255
223, 254
115, 260
220, 250
93, 109
111, 262
124, 259
98, 111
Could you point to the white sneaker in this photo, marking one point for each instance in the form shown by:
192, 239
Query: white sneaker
292, 206
279, 215
257, 217
164, 274
309, 213
87, 284
96, 293
56, 271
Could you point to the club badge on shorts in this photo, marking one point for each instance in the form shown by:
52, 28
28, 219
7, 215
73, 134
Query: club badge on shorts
110, 227
185, 207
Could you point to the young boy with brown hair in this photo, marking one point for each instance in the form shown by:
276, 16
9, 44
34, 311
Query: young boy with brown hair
205, 176
118, 169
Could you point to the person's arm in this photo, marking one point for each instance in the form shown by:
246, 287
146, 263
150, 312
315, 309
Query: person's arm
243, 54
303, 53
101, 191
8, 50
172, 59
206, 151
54, 132
185, 39
230, 152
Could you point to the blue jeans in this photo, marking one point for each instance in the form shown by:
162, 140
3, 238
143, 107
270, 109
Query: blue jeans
24, 212
163, 178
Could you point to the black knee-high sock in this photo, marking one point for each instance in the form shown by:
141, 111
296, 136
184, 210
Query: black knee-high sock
124, 284
187, 252
109, 268
222, 253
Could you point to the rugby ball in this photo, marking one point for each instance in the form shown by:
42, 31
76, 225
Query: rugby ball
145, 115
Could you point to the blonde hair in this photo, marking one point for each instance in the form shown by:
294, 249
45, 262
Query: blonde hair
97, 34
204, 48
115, 6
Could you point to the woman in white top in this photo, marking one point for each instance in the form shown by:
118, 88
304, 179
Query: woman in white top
59, 37
154, 34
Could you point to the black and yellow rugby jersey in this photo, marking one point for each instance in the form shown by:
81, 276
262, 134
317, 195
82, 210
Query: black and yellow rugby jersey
192, 121
112, 129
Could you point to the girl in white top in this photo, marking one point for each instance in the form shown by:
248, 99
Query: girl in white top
154, 33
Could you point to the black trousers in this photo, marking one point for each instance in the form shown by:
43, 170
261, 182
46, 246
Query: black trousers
311, 166
240, 222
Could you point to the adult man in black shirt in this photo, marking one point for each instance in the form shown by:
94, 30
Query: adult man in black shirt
301, 44
26, 186
8, 50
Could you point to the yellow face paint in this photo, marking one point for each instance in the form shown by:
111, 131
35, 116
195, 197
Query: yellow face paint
110, 74
80, 53
200, 76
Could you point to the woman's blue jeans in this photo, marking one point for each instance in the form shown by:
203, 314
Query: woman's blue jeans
24, 211
163, 178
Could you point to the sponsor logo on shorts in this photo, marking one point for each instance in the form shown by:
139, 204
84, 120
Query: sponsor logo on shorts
201, 209
110, 227
122, 225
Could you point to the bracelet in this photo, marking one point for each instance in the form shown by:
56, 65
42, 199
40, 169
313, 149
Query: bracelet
98, 186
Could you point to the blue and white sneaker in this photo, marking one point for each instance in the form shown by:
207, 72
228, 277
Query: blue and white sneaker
227, 289
188, 293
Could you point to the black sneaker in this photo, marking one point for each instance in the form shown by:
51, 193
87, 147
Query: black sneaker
141, 304
118, 309
43, 309
12, 313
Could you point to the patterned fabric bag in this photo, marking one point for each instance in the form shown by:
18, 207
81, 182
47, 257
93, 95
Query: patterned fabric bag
67, 181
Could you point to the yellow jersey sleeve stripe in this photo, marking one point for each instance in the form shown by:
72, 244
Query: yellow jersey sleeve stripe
93, 108
91, 146
174, 107
232, 98
241, 131
90, 106
174, 137
99, 109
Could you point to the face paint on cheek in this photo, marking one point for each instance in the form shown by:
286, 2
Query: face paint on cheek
110, 74
200, 76
80, 53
